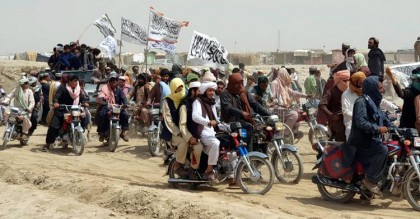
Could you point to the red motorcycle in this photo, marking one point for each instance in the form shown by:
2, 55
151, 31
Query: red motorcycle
402, 175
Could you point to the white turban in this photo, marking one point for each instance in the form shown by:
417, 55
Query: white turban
194, 84
206, 85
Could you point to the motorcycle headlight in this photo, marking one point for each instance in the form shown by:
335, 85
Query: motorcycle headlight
279, 126
75, 113
12, 119
116, 110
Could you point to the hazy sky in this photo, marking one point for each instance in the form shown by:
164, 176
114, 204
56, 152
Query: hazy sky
254, 25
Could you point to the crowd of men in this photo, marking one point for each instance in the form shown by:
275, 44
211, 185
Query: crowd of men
193, 101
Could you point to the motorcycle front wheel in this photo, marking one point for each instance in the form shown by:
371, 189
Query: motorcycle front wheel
258, 183
316, 134
173, 175
79, 142
412, 189
114, 137
153, 141
5, 140
287, 166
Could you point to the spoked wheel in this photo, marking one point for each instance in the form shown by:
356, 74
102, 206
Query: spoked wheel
287, 134
314, 135
335, 194
153, 141
288, 166
173, 175
5, 140
262, 179
79, 142
113, 139
412, 189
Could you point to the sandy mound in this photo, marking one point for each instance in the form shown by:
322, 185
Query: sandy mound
10, 71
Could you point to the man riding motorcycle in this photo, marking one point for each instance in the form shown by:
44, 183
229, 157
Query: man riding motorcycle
68, 93
23, 97
110, 93
237, 105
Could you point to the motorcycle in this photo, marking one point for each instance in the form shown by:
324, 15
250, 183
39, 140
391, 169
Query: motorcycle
308, 114
135, 124
401, 176
250, 170
71, 131
285, 159
113, 134
153, 135
14, 125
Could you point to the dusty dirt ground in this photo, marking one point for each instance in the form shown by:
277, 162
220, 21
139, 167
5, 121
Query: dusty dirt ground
129, 183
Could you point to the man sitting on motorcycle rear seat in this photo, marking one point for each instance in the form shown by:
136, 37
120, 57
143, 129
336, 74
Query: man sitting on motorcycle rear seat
170, 131
140, 94
68, 93
189, 130
23, 98
110, 94
237, 105
368, 125
205, 115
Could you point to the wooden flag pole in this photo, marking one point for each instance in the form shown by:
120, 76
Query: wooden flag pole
84, 31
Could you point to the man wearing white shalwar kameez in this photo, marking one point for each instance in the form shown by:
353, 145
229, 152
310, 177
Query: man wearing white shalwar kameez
204, 113
23, 98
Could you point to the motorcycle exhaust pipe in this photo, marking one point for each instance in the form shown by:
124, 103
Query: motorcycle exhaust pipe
175, 180
321, 180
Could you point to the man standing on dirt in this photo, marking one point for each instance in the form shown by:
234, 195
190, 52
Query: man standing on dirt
310, 82
417, 50
376, 59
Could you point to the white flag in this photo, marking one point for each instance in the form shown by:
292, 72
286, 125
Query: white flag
110, 44
164, 29
133, 33
167, 47
105, 26
207, 49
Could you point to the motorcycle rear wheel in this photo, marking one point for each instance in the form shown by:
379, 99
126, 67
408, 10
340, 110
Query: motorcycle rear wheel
153, 141
412, 189
80, 142
113, 139
288, 168
172, 174
264, 175
340, 195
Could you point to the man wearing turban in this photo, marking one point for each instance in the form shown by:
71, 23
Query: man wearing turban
331, 105
237, 105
